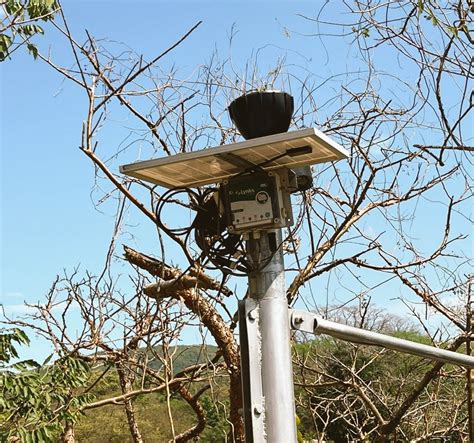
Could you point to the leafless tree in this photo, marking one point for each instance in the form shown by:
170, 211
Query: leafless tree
360, 228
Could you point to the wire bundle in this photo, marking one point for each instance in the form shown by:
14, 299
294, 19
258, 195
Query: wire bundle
220, 249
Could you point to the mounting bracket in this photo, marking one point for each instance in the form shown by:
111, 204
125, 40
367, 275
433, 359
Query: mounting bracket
251, 367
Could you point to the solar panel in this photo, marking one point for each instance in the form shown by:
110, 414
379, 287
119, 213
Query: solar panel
213, 165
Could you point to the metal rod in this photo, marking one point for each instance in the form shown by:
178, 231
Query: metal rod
267, 288
308, 322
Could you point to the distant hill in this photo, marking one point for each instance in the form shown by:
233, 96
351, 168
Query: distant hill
109, 423
183, 356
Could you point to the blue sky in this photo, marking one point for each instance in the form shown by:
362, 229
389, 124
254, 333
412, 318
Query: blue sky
48, 220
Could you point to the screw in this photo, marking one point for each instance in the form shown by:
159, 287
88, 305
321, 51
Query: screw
257, 410
252, 314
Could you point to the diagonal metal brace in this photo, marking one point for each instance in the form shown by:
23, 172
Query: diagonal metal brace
307, 322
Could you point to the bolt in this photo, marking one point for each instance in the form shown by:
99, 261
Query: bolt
298, 319
252, 314
258, 410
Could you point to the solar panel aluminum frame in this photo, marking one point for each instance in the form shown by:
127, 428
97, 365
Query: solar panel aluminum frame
214, 165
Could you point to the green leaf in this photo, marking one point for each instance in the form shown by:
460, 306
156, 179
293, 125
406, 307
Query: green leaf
13, 7
30, 30
48, 359
453, 30
25, 365
19, 335
434, 19
33, 50
5, 43
30, 437
39, 8
421, 6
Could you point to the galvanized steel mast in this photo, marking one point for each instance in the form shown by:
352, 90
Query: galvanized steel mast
267, 289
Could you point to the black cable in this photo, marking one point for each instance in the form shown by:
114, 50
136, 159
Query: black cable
176, 234
220, 250
168, 197
292, 152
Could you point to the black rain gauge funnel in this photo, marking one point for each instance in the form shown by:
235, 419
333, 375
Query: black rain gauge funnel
262, 113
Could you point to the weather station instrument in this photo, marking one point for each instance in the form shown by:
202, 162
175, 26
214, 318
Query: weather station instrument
275, 164
251, 202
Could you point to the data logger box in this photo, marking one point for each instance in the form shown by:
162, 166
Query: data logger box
257, 201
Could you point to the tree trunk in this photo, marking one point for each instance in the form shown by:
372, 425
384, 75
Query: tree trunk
68, 435
126, 385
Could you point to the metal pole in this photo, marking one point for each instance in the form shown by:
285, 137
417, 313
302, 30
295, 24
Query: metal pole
308, 322
267, 288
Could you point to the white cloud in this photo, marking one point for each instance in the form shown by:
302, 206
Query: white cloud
60, 306
17, 309
22, 309
9, 295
